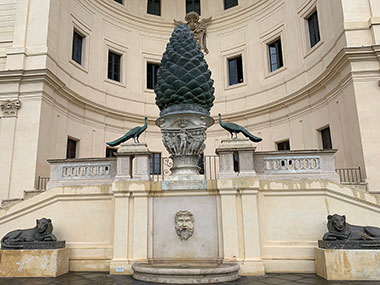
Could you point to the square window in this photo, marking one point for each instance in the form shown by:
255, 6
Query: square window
71, 150
285, 145
77, 47
154, 7
114, 60
275, 55
110, 152
193, 5
151, 75
313, 29
155, 163
230, 3
235, 70
326, 138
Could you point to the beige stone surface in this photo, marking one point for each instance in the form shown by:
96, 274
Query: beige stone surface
263, 225
34, 263
345, 264
331, 84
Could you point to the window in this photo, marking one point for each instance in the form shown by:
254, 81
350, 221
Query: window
313, 29
77, 47
71, 148
326, 138
151, 75
155, 163
235, 70
110, 152
236, 161
154, 7
230, 4
275, 55
119, 1
285, 145
114, 66
193, 5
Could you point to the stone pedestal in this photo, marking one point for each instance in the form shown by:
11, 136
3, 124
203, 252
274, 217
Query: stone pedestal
183, 135
245, 150
34, 263
133, 161
347, 264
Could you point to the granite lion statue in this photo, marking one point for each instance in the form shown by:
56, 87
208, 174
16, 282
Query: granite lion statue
339, 229
41, 232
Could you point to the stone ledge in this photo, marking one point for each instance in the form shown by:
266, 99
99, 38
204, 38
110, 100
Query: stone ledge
185, 275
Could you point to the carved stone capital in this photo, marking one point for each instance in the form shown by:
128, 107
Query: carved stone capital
10, 107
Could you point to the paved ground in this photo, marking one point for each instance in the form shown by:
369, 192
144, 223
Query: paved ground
97, 278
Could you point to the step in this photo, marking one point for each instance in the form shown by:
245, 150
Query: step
31, 193
9, 202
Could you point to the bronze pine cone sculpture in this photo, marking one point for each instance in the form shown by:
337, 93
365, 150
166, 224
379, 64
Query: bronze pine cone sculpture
183, 79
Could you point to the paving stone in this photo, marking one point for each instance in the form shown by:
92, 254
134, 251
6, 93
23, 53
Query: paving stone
103, 278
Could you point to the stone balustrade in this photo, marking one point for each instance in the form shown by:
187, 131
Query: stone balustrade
81, 171
296, 164
291, 164
132, 162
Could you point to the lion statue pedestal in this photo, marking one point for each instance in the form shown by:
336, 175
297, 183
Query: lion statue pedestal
33, 252
348, 252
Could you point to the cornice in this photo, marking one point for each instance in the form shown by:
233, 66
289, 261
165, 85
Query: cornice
344, 57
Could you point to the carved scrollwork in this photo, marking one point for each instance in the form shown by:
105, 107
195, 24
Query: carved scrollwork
167, 164
10, 107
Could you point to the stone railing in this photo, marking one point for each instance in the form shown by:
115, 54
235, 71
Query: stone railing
294, 164
133, 163
81, 171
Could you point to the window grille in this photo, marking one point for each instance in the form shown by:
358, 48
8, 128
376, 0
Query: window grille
275, 55
230, 3
193, 5
235, 70
154, 7
151, 75
313, 29
77, 47
114, 66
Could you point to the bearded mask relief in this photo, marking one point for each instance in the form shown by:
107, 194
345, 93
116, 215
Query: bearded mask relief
184, 224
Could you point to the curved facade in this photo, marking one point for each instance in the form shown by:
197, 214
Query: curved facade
333, 84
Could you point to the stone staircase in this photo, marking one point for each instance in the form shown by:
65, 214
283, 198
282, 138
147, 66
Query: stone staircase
27, 195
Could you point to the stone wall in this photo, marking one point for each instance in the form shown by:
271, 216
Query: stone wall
7, 22
331, 84
265, 225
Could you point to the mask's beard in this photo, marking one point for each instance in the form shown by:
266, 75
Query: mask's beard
184, 233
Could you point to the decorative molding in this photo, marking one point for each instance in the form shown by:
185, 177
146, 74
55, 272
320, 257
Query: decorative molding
10, 107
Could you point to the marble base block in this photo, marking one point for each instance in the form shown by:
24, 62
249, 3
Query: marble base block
347, 264
192, 182
34, 262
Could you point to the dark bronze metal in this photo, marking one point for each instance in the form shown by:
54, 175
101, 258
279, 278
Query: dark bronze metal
342, 235
39, 237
